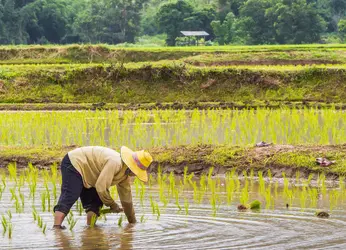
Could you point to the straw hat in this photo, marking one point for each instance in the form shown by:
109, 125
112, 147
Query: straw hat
138, 162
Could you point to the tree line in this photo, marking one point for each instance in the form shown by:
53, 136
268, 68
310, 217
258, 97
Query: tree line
119, 21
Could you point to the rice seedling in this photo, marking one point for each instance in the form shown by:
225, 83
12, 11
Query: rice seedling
1, 191
10, 228
17, 205
150, 181
13, 193
186, 206
297, 177
136, 183
276, 185
43, 201
261, 182
3, 180
334, 196
195, 192
44, 227
252, 173
303, 198
202, 182
176, 194
93, 220
289, 196
230, 187
313, 194
213, 196
157, 211
308, 181
270, 176
172, 184
4, 224
210, 173
9, 213
120, 221
185, 176
292, 129
341, 183
34, 213
21, 195
142, 192
143, 219
268, 197
12, 170
244, 195
71, 221
189, 178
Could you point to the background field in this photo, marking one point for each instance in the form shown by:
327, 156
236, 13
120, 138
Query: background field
237, 75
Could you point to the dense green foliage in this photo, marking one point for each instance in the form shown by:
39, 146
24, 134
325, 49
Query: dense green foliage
119, 21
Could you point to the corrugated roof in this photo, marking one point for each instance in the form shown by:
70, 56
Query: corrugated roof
194, 33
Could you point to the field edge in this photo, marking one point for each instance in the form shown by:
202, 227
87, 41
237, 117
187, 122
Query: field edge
199, 159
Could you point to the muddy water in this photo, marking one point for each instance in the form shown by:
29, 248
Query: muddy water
275, 227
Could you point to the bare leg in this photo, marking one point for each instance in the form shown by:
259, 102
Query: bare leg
58, 218
90, 214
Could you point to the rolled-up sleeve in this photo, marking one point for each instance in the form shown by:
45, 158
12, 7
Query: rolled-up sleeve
104, 182
125, 195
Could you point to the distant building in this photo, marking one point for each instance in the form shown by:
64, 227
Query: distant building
192, 37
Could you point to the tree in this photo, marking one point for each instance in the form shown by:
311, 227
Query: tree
45, 20
171, 19
109, 21
225, 31
254, 26
296, 22
342, 29
338, 11
12, 30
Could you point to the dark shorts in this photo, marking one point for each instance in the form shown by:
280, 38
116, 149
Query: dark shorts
72, 188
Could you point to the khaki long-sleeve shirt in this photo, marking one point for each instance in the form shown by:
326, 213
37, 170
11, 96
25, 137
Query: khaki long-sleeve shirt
102, 167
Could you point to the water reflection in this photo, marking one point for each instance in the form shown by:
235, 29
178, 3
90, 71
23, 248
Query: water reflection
97, 238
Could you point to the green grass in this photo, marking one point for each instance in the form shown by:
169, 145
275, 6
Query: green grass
169, 82
233, 74
109, 53
296, 158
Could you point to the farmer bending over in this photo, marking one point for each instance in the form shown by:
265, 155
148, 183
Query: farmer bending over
89, 172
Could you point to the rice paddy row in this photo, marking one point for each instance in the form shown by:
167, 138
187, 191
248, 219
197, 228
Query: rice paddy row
35, 192
148, 129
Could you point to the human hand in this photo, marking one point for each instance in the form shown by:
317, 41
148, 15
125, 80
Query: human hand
116, 209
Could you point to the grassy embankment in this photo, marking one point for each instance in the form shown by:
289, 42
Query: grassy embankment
200, 158
70, 77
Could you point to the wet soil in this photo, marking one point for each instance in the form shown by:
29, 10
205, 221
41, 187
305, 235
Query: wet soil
172, 106
199, 159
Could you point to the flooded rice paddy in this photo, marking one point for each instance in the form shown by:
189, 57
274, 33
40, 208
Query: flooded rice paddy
170, 127
180, 213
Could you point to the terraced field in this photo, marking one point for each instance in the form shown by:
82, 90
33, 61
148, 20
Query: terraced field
191, 77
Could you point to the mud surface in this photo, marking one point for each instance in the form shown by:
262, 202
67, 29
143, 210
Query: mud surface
199, 159
165, 106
